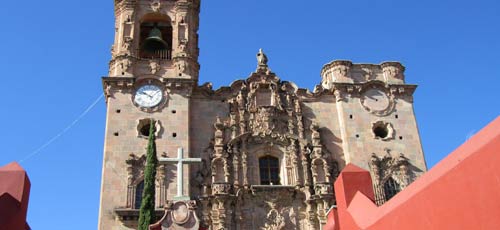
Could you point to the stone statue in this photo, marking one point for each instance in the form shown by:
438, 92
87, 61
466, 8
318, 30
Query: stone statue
262, 59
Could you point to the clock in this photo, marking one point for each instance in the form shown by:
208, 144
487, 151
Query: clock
377, 101
148, 96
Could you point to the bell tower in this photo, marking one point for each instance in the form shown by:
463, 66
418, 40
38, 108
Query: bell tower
156, 38
152, 73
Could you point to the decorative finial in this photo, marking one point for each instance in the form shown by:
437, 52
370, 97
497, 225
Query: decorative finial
262, 60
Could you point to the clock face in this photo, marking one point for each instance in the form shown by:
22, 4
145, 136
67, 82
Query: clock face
375, 100
148, 96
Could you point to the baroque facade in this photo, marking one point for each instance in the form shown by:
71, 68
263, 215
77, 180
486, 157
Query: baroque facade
269, 150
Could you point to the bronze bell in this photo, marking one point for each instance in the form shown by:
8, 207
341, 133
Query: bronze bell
154, 42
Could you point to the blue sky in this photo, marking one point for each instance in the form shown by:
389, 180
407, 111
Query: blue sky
53, 54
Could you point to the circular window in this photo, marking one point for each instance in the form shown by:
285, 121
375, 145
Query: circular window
380, 132
383, 130
144, 125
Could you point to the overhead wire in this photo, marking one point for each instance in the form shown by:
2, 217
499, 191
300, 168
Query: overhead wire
50, 141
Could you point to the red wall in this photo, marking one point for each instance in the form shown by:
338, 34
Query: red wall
461, 192
14, 196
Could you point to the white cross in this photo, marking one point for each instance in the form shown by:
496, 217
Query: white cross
180, 160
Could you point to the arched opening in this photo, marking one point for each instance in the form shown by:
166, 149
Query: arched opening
269, 169
391, 188
155, 37
139, 189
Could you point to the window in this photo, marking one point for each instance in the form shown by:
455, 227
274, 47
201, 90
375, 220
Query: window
391, 188
138, 195
269, 170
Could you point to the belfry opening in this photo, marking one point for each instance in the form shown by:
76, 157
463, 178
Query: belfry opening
155, 37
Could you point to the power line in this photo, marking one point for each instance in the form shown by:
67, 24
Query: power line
85, 112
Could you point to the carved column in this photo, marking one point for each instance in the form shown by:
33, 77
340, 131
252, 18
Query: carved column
311, 214
300, 125
236, 166
206, 221
295, 164
135, 167
305, 165
161, 192
221, 209
233, 124
403, 171
374, 165
130, 180
244, 163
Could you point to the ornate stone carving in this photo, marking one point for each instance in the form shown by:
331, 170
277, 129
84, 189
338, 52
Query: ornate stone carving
221, 189
262, 61
265, 117
155, 5
393, 71
135, 173
179, 215
274, 221
323, 189
126, 46
125, 65
386, 167
155, 66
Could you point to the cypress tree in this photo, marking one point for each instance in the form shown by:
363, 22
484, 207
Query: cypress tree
147, 211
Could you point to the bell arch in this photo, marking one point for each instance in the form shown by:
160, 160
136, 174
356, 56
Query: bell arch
155, 37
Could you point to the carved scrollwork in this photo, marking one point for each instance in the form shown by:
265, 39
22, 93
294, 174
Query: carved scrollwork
155, 5
221, 188
274, 221
323, 189
386, 168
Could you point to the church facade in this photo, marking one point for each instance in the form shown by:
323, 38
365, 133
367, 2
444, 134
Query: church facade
264, 151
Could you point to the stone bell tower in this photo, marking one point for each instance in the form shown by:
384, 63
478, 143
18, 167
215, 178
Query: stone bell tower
152, 72
156, 37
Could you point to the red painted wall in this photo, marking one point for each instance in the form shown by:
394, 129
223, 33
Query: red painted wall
14, 196
461, 192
